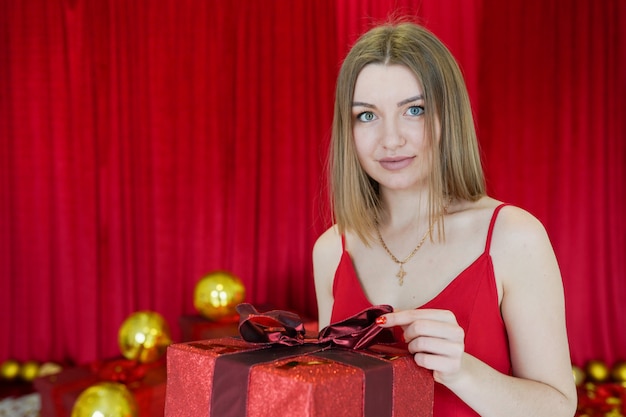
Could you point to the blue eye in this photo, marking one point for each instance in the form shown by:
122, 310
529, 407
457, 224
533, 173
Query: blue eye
415, 110
366, 116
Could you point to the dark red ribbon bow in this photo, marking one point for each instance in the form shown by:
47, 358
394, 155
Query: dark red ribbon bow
286, 328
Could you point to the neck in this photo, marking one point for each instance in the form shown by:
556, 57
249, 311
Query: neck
404, 210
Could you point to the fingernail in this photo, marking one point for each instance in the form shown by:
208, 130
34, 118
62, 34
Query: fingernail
381, 320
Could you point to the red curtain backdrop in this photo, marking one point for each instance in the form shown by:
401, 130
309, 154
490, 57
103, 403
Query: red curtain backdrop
554, 138
144, 144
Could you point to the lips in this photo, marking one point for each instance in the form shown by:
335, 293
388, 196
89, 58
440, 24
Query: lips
396, 163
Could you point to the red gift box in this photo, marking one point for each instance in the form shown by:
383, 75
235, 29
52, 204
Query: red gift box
320, 383
147, 383
230, 377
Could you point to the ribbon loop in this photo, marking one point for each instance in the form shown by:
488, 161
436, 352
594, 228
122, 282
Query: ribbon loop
276, 326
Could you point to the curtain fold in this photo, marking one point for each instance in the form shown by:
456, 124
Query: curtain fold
145, 144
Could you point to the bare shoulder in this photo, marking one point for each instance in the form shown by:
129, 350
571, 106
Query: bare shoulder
326, 255
520, 246
521, 251
513, 224
518, 230
328, 242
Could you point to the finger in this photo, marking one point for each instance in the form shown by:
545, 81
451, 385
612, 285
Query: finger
406, 317
447, 330
437, 363
436, 346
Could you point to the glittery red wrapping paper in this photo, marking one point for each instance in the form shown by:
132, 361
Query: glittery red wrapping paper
303, 386
59, 392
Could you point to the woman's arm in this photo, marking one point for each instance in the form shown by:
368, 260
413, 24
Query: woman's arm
326, 256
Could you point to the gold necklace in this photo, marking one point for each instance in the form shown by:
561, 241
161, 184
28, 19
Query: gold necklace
401, 273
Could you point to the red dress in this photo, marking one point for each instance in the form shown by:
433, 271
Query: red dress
472, 296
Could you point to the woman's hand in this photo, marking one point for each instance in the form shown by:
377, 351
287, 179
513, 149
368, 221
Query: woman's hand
434, 337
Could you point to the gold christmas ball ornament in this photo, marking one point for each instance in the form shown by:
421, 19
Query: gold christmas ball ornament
29, 370
105, 399
618, 371
597, 370
10, 369
144, 336
217, 294
579, 375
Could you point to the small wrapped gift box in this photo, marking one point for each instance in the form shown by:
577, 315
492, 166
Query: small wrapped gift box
147, 383
343, 372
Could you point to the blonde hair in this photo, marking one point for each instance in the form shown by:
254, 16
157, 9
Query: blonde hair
456, 168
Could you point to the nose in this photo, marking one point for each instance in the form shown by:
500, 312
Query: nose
392, 136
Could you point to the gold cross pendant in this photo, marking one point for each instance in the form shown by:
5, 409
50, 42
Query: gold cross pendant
401, 275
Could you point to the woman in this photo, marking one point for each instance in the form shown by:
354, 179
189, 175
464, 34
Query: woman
475, 285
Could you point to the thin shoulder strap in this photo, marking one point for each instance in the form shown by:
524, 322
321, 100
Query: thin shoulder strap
491, 225
343, 243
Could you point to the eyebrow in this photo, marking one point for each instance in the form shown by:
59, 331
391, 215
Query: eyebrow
410, 100
400, 104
